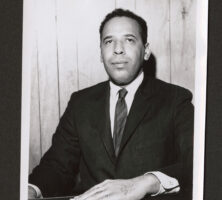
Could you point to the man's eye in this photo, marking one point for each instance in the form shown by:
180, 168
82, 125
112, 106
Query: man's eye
108, 41
130, 40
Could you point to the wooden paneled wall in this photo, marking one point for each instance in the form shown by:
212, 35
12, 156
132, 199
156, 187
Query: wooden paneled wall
65, 54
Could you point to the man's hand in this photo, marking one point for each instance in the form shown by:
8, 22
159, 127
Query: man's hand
129, 189
31, 193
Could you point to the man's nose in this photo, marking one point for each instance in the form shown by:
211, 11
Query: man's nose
119, 48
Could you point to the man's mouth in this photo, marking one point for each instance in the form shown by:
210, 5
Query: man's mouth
119, 63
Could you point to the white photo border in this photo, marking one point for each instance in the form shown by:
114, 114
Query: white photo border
200, 99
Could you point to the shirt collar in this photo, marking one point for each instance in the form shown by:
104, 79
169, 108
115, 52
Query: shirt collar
131, 88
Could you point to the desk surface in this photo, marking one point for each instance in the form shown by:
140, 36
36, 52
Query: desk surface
55, 198
161, 197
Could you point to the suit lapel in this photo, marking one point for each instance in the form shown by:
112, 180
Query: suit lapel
139, 108
101, 120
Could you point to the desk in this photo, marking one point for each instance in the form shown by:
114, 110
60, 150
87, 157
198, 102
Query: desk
162, 197
55, 198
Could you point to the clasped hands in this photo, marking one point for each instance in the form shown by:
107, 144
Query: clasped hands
122, 189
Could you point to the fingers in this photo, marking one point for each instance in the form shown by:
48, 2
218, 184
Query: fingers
31, 193
97, 192
91, 193
94, 196
99, 196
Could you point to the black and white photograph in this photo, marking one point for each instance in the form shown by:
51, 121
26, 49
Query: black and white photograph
109, 99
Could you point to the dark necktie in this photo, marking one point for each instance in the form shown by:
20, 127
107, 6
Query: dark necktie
120, 119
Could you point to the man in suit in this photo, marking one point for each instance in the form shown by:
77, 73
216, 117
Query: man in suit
128, 137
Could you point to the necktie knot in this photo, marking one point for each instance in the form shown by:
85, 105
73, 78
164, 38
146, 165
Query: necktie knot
122, 93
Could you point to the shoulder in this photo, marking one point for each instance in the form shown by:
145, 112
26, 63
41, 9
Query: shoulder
175, 99
91, 93
168, 90
164, 93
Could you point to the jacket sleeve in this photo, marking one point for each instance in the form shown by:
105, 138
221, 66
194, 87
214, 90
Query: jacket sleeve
55, 175
183, 117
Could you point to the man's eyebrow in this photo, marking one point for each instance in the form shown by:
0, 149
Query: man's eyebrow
130, 35
126, 35
107, 37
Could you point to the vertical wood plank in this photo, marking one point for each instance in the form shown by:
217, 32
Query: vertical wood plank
126, 4
67, 25
91, 70
183, 21
156, 15
34, 139
48, 73
35, 147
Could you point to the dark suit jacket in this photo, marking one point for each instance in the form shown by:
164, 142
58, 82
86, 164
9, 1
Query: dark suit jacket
158, 137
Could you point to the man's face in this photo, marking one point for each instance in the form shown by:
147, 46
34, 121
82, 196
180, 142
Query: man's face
122, 49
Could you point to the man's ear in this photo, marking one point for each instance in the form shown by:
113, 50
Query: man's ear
101, 58
147, 52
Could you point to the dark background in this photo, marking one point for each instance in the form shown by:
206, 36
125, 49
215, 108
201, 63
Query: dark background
10, 97
10, 100
213, 156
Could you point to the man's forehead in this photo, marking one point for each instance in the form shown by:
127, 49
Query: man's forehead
121, 24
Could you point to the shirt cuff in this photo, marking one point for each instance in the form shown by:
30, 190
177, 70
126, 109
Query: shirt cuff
168, 185
37, 190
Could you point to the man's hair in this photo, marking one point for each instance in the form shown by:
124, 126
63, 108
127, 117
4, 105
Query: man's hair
126, 13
